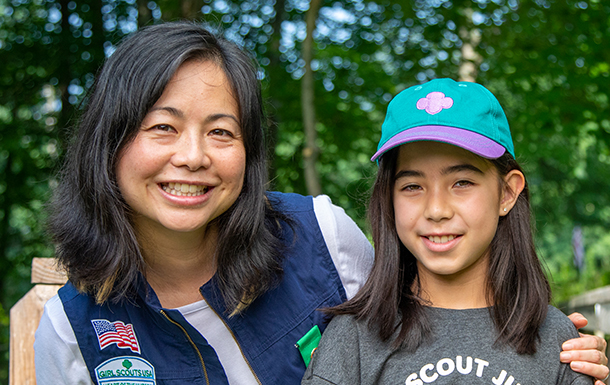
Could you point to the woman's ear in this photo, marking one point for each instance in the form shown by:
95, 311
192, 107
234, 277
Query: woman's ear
514, 183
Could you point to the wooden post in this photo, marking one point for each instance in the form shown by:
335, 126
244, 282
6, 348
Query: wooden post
25, 316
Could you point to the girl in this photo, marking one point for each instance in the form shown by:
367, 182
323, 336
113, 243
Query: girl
456, 294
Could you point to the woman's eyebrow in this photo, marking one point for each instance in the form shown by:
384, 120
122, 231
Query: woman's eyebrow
179, 114
171, 110
215, 117
461, 167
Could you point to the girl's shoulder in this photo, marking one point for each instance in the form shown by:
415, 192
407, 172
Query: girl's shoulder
557, 326
342, 324
345, 329
349, 331
556, 317
348, 352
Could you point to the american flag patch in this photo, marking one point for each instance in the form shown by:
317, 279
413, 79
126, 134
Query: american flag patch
116, 332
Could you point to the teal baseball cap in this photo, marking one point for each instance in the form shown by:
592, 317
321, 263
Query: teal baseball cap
464, 114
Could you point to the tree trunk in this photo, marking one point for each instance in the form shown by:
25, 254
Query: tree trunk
471, 37
274, 109
170, 10
311, 150
98, 38
144, 13
64, 73
190, 9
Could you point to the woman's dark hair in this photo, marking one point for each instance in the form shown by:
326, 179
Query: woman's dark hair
89, 220
516, 284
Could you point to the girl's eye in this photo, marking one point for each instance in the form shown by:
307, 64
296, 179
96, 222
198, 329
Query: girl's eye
411, 187
463, 183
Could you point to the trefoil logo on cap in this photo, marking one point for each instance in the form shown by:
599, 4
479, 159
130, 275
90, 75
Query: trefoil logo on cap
434, 103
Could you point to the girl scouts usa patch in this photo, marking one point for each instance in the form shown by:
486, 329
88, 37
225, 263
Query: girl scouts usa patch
125, 370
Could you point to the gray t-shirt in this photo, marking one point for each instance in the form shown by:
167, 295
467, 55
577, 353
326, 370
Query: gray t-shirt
461, 351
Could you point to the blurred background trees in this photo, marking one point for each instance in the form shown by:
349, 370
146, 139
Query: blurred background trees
546, 60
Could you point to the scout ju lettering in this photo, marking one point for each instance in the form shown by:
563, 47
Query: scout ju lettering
446, 366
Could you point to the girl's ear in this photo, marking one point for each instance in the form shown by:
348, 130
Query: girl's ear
514, 183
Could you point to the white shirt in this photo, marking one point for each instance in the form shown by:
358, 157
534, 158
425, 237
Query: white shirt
58, 355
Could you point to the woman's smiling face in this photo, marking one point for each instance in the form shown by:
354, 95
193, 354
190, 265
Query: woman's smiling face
447, 202
186, 165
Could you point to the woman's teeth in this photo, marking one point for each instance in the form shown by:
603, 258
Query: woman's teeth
442, 239
184, 190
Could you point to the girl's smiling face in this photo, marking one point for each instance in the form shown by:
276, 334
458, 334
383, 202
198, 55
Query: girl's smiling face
447, 203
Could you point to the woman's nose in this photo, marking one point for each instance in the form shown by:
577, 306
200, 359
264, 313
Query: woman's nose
191, 152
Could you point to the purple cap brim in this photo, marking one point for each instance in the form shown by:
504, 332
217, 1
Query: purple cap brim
468, 140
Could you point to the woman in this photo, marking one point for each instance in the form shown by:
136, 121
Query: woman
182, 268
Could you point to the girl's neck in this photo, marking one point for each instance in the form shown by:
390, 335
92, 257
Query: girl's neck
465, 291
178, 264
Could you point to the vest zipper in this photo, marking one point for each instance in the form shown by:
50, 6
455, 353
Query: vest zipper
205, 372
236, 342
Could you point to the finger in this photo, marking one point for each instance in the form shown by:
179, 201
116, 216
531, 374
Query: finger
578, 320
594, 357
596, 371
585, 342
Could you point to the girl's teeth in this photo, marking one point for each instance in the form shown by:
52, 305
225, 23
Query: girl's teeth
441, 239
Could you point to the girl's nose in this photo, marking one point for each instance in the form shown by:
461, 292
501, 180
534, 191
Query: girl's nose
438, 207
191, 152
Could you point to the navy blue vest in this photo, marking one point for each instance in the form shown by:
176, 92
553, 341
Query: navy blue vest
170, 351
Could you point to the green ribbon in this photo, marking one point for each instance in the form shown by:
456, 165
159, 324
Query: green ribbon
308, 343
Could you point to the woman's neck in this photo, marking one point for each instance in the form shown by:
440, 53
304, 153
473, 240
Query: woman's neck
178, 264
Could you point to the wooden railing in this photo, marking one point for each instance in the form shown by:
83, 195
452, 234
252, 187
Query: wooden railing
25, 316
595, 305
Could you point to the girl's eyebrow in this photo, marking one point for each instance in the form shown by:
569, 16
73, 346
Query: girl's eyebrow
461, 167
446, 171
408, 173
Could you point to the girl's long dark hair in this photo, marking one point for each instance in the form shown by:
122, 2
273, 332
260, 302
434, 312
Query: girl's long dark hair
89, 220
516, 284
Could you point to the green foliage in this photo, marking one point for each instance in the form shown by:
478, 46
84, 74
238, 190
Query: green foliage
546, 60
566, 280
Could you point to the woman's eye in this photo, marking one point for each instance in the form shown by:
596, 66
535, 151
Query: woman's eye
163, 127
221, 132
